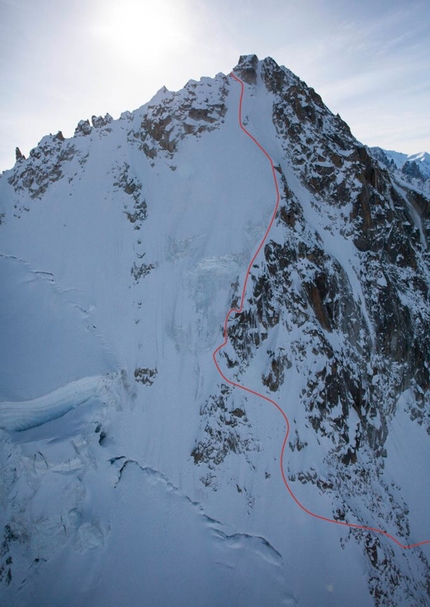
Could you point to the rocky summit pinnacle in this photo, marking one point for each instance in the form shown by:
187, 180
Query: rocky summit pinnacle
126, 455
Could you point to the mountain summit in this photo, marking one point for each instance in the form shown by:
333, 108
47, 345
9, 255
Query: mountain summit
136, 472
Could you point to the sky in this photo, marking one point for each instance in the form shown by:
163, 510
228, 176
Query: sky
64, 60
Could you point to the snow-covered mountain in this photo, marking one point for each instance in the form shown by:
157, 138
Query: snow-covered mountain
132, 472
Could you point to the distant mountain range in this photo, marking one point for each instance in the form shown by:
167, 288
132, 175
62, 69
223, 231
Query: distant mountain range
412, 168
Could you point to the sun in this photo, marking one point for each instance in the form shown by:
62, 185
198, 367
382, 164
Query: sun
136, 28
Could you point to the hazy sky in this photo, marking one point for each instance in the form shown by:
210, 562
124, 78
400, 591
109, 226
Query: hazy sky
65, 60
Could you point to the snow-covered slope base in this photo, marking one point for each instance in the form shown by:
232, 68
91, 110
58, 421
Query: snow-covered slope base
131, 473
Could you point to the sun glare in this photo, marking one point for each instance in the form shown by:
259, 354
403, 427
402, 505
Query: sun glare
140, 27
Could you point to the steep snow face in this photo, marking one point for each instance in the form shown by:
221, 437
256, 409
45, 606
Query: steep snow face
47, 341
124, 454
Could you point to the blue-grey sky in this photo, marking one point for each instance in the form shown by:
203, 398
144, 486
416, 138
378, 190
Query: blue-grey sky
64, 60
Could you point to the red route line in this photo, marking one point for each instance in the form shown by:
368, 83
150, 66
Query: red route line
269, 400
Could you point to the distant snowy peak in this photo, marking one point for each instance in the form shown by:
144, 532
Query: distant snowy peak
413, 168
422, 159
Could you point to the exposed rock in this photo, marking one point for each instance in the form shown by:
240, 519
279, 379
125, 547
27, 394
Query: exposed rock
221, 434
99, 122
246, 68
83, 128
145, 376
165, 124
43, 167
139, 271
18, 155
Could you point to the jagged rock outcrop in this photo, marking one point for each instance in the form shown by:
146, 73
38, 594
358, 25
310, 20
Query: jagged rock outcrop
19, 155
171, 117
